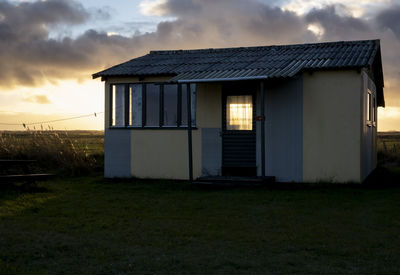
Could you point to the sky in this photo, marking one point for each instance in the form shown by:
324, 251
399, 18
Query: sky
50, 48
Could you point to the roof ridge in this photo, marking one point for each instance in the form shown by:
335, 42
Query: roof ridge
210, 50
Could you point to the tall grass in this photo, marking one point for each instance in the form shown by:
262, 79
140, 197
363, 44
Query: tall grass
389, 149
53, 150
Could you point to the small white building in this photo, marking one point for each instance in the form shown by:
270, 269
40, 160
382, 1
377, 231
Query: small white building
302, 113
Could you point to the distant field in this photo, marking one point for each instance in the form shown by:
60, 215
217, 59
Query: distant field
389, 148
389, 139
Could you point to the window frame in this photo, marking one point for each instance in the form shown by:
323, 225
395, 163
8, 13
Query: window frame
371, 112
161, 125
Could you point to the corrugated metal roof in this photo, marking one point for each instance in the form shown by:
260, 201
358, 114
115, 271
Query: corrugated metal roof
255, 62
267, 61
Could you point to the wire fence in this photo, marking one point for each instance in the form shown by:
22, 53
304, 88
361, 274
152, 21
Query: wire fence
27, 124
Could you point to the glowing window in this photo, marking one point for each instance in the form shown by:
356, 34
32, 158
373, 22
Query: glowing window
239, 112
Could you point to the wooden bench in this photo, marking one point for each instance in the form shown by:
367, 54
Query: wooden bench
21, 172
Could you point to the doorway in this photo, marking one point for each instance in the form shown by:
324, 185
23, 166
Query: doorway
238, 131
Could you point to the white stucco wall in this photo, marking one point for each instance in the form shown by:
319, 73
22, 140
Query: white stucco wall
331, 126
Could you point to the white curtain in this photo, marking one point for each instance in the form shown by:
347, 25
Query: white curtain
239, 112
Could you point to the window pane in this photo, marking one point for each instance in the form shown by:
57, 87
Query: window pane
369, 107
152, 105
118, 105
239, 112
184, 104
135, 105
170, 105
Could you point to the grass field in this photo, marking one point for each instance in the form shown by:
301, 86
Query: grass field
89, 225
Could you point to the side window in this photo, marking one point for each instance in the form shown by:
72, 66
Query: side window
118, 105
371, 108
170, 105
151, 105
135, 105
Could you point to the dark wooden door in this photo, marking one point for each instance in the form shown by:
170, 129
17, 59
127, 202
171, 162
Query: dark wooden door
238, 131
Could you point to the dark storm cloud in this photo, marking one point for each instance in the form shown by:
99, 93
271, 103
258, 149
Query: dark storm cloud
390, 19
236, 22
28, 20
339, 26
30, 57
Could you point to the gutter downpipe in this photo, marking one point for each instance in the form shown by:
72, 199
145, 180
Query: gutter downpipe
189, 119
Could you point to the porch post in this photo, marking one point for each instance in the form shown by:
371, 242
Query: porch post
189, 126
262, 128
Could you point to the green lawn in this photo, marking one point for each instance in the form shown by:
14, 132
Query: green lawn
93, 226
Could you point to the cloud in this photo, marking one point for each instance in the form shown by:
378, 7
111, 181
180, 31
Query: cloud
39, 99
338, 24
390, 19
152, 7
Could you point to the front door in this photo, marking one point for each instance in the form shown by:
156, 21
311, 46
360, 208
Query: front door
238, 132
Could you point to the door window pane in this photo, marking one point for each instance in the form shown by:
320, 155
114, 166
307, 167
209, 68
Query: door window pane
239, 112
170, 105
152, 105
118, 105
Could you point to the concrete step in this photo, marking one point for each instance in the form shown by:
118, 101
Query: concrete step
234, 181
